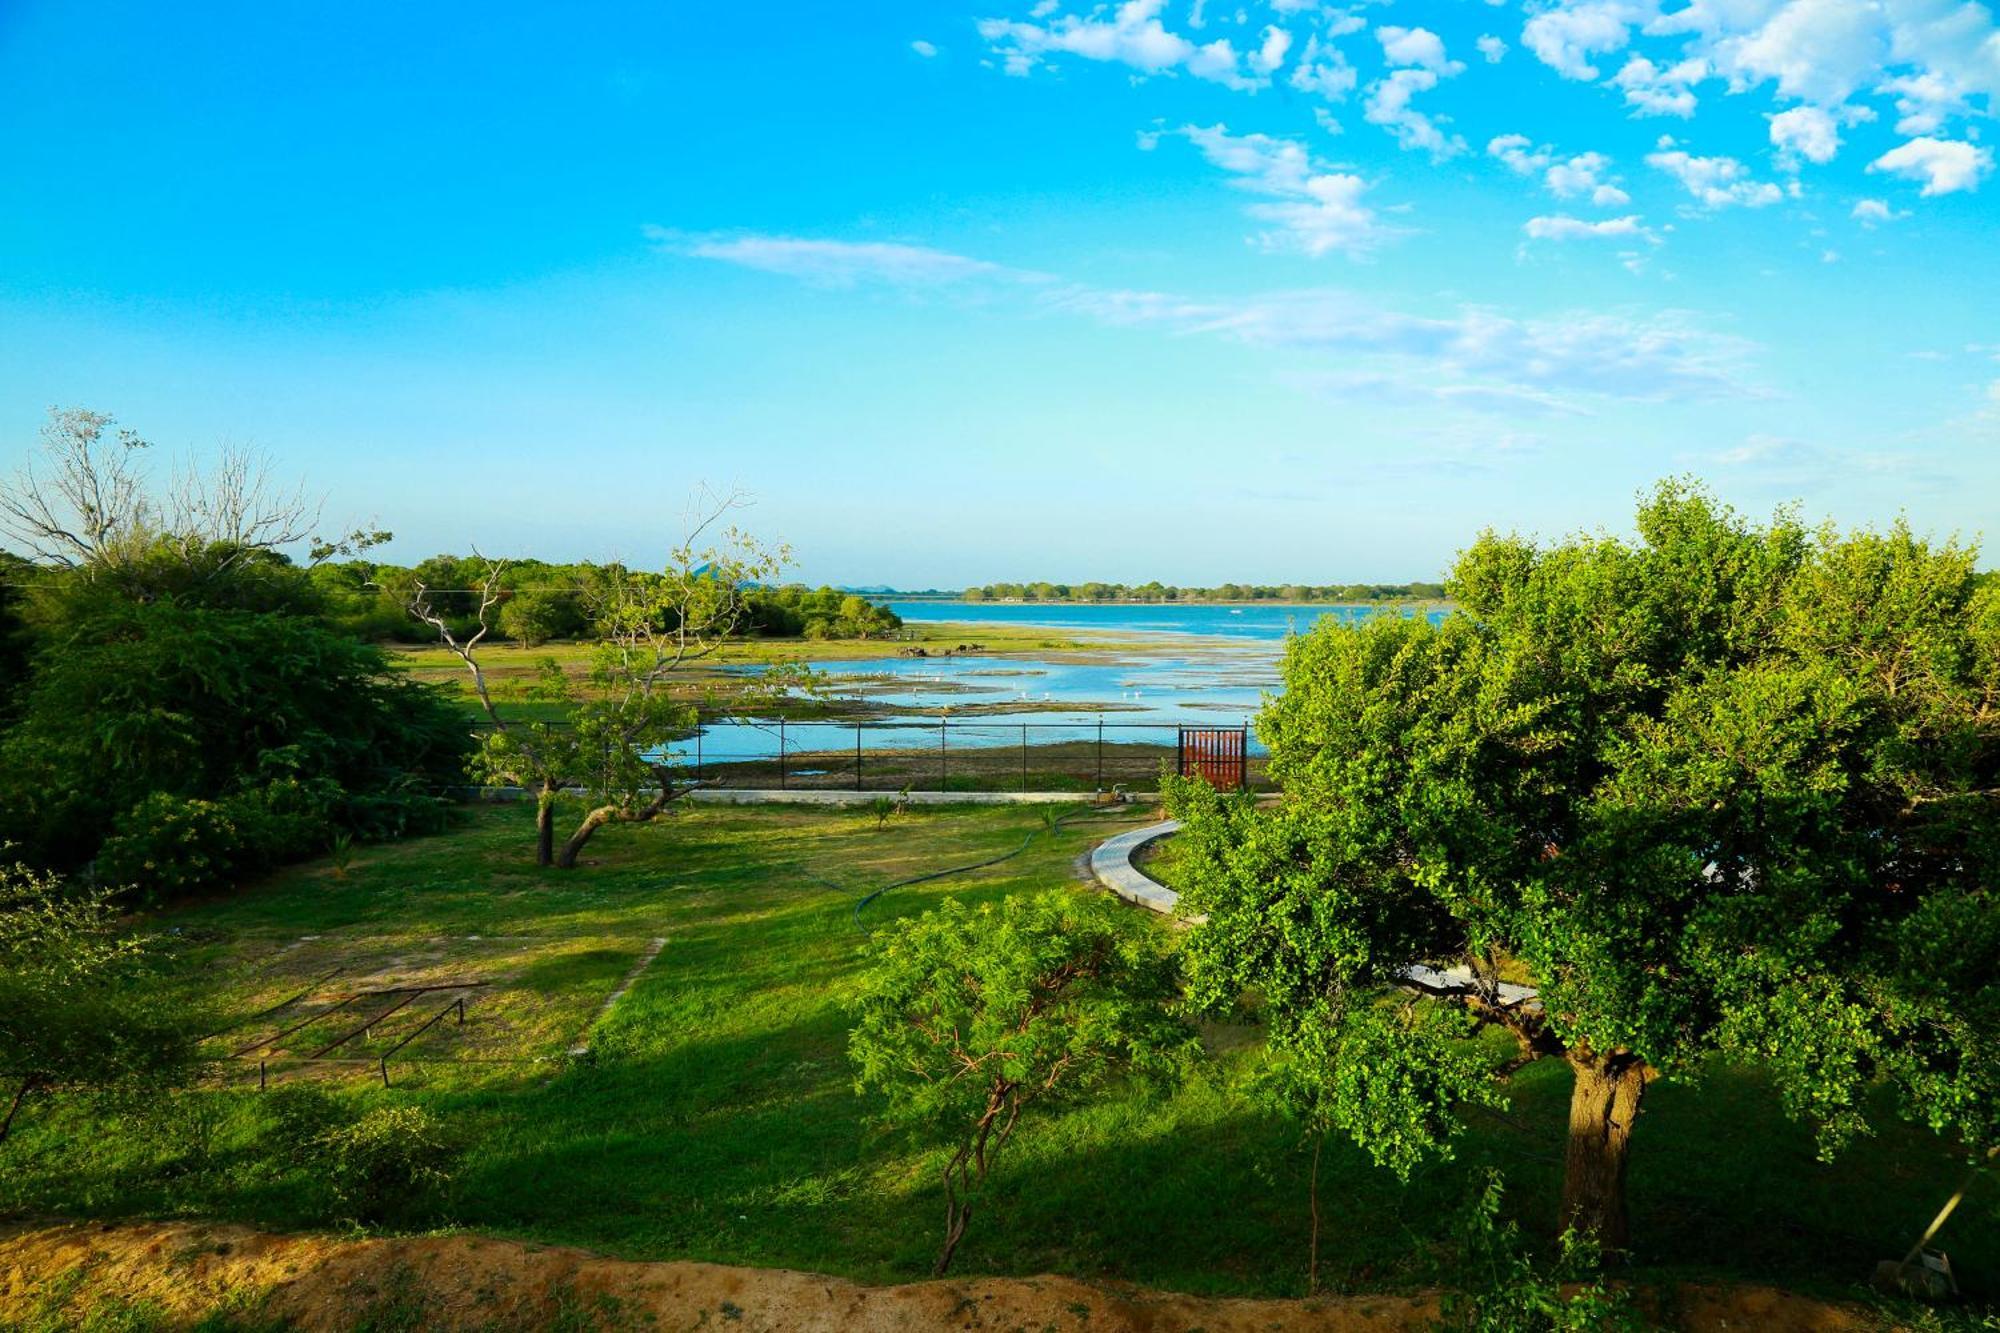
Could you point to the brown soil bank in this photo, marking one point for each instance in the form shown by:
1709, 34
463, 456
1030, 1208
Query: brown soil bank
179, 1273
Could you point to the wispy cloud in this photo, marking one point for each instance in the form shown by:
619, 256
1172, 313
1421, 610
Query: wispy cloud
1475, 357
834, 263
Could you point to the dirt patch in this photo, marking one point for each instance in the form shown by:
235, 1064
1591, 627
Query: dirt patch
179, 1273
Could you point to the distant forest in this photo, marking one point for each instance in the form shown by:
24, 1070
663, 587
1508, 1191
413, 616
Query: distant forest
541, 602
1227, 592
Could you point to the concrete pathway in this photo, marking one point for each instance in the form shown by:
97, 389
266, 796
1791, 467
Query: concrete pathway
1111, 863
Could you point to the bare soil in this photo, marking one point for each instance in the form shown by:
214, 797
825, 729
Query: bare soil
180, 1272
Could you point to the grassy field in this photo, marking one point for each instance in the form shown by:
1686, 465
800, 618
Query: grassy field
716, 1118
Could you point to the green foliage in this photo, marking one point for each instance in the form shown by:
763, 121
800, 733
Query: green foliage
388, 1161
168, 847
1044, 996
967, 1017
1729, 789
817, 613
201, 704
78, 1006
534, 617
1496, 1284
385, 1162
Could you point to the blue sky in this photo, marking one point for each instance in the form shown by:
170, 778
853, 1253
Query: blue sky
975, 289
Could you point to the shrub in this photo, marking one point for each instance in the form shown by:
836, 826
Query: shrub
373, 1166
167, 848
1498, 1286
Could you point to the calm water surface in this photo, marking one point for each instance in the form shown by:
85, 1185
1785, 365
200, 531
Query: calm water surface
1204, 665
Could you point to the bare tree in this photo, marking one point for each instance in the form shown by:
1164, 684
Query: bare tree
88, 504
614, 742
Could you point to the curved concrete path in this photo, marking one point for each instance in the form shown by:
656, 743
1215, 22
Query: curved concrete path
1111, 863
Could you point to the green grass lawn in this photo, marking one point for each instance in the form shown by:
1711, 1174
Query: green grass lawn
717, 1120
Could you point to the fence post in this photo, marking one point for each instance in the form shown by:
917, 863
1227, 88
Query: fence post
857, 758
1243, 757
943, 763
697, 749
1024, 757
1100, 754
781, 754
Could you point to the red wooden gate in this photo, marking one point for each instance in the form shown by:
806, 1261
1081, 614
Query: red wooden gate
1216, 755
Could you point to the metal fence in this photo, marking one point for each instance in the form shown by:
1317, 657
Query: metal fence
944, 754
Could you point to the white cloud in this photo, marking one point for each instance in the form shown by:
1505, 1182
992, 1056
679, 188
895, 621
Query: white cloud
1561, 227
1567, 35
1584, 174
1871, 212
1715, 182
1819, 51
1653, 91
1925, 102
1492, 48
1938, 59
1417, 46
1389, 106
834, 263
1519, 153
1945, 166
1316, 212
1804, 132
1421, 60
1130, 35
1271, 54
1324, 70
923, 48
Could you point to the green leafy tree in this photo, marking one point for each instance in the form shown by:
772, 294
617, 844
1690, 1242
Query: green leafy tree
968, 1017
612, 736
534, 617
1728, 790
77, 1010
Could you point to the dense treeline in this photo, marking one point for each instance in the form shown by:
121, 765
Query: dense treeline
543, 602
1226, 592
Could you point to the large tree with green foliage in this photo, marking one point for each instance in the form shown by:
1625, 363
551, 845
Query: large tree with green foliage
1731, 790
968, 1017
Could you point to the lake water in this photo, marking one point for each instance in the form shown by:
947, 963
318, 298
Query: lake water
1203, 665
1263, 620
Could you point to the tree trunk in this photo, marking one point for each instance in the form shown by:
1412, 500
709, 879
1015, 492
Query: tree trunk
14, 1107
573, 845
545, 824
1602, 1108
1312, 1258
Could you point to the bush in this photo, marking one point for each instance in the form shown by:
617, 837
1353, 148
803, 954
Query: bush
167, 848
382, 1163
207, 705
